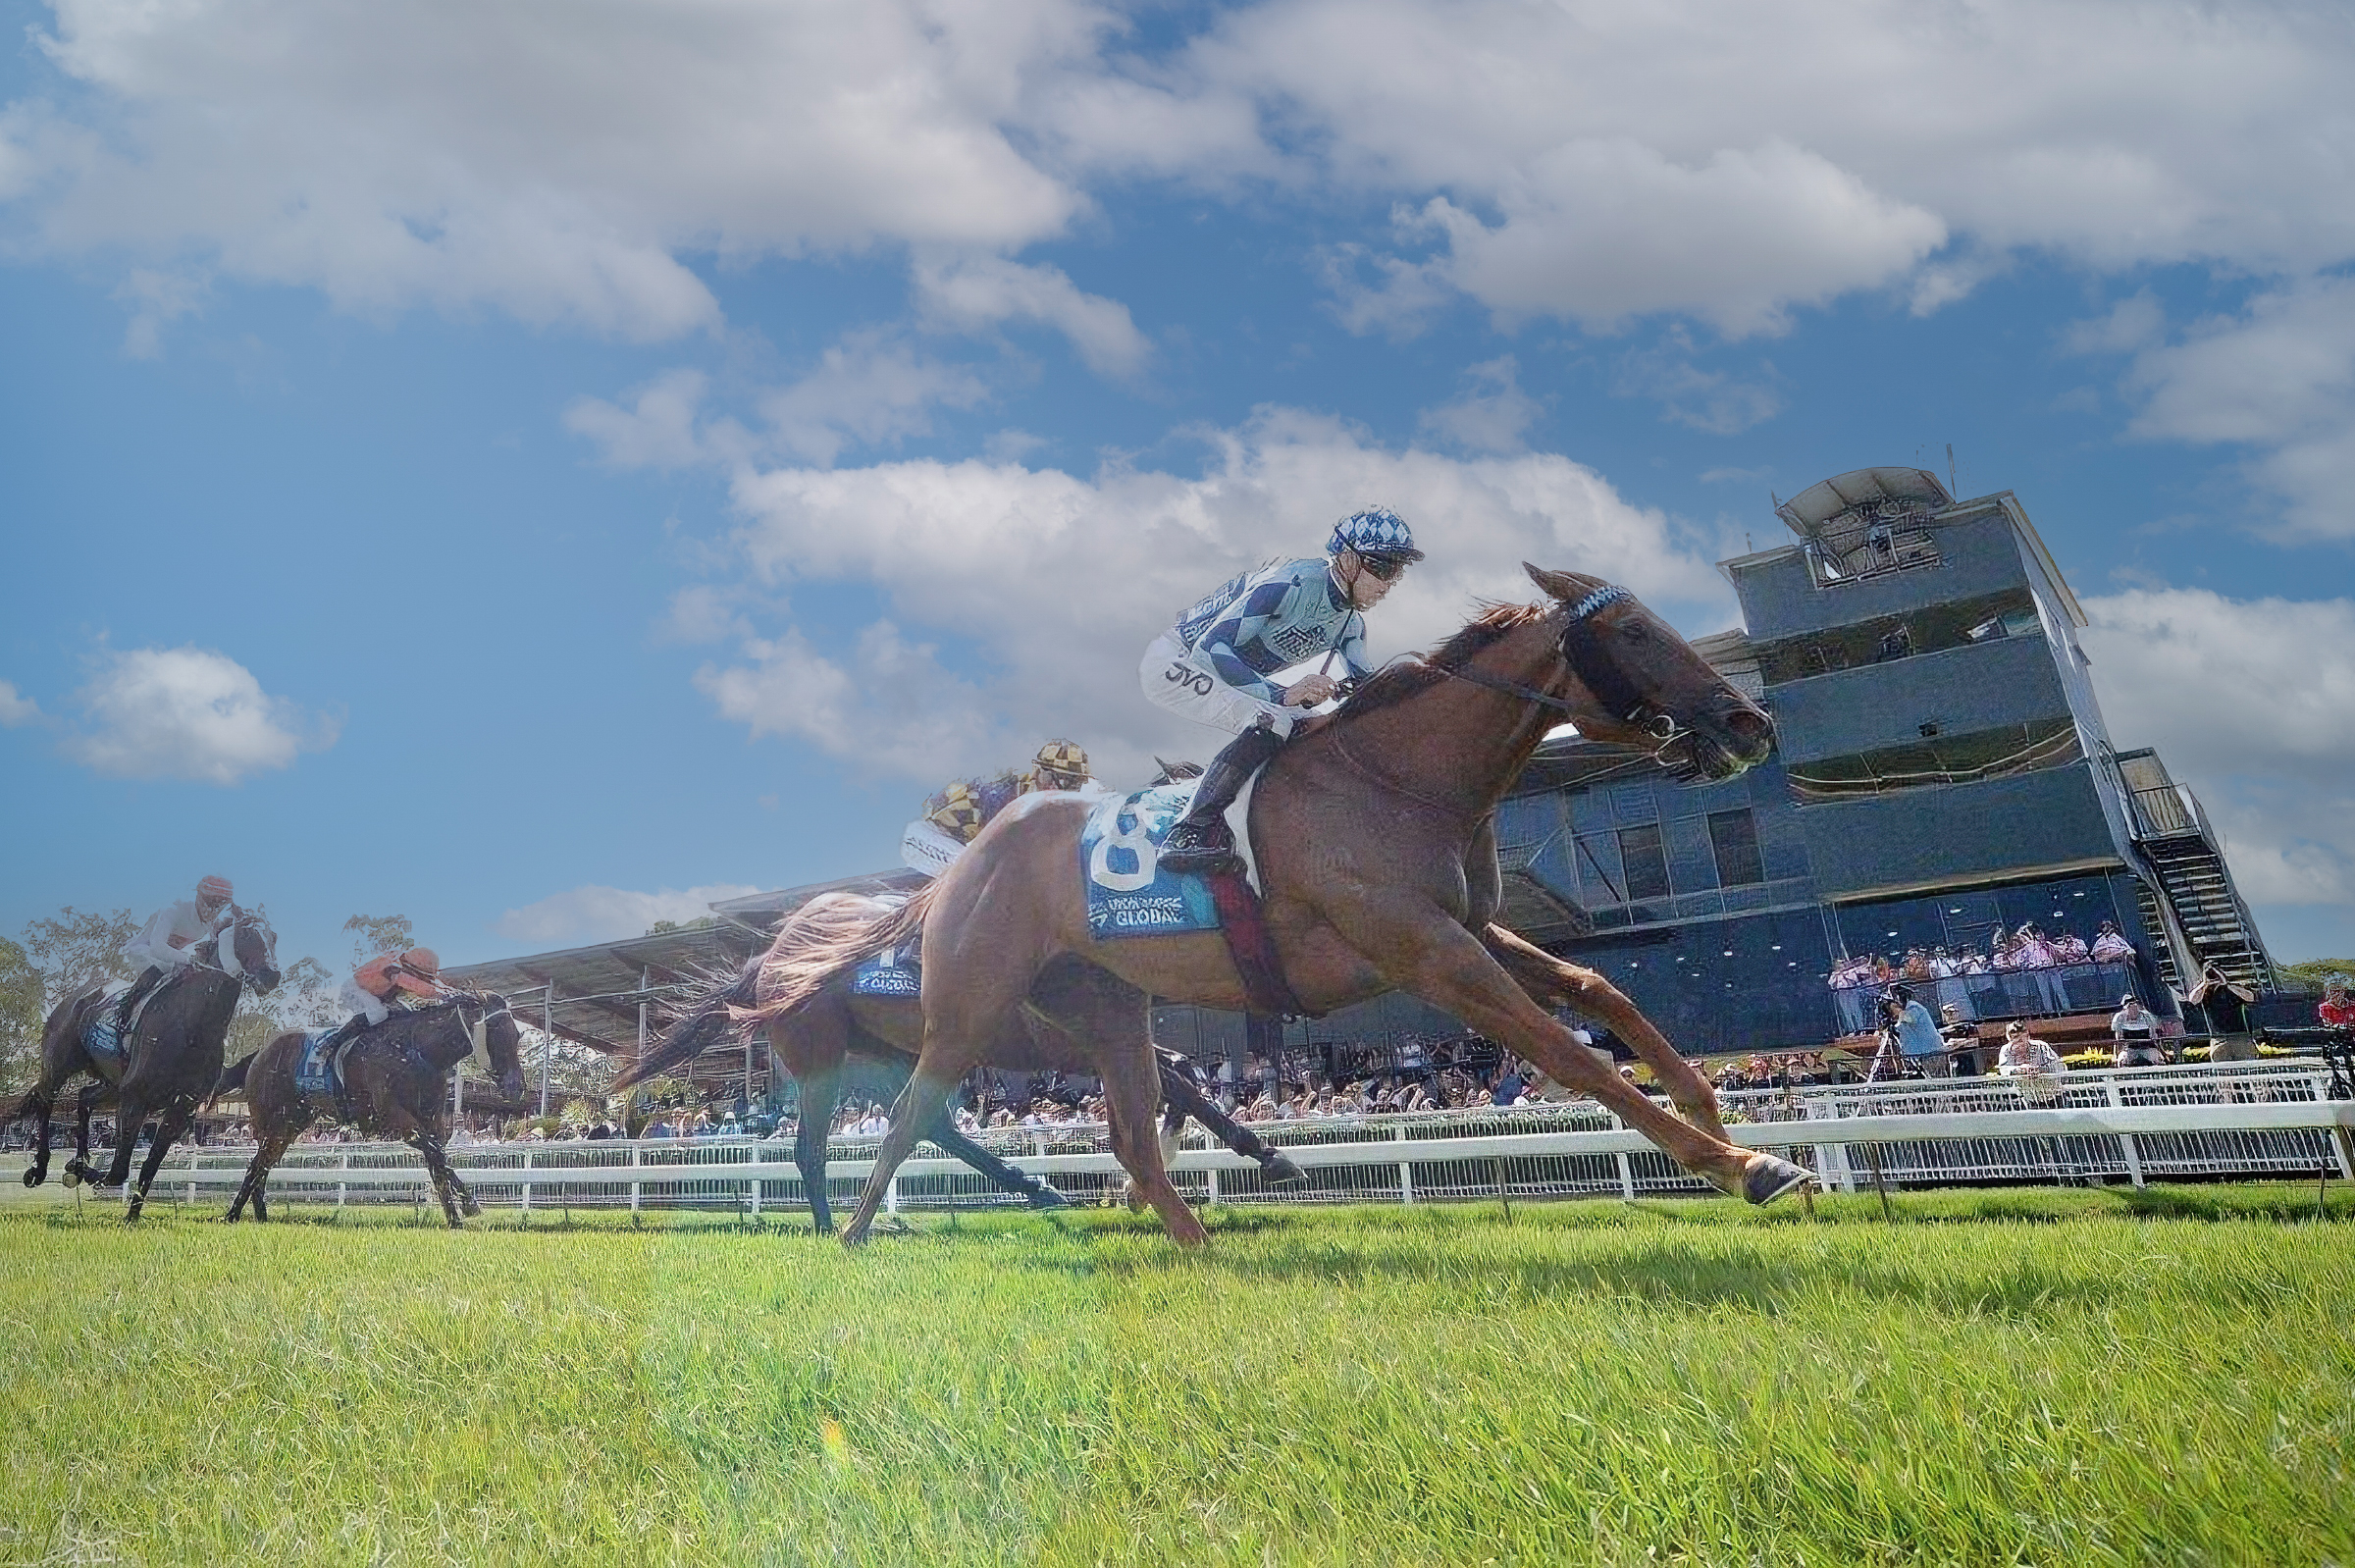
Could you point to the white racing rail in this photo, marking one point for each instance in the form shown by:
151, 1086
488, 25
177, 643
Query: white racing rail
2253, 1120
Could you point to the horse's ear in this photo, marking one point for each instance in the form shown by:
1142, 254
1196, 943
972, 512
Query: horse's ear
1563, 585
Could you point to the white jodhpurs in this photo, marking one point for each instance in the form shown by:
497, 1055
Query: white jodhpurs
1175, 680
355, 1000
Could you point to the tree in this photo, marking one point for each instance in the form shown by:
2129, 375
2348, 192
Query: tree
2312, 973
75, 950
378, 934
22, 1011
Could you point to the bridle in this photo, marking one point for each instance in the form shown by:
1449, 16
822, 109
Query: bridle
221, 954
1597, 669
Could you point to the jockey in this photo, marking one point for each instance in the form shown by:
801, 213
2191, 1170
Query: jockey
1217, 664
954, 816
168, 942
380, 983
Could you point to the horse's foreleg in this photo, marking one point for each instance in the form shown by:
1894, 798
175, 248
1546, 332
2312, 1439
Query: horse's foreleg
1185, 1100
437, 1166
1445, 966
174, 1121
924, 1090
1555, 983
268, 1151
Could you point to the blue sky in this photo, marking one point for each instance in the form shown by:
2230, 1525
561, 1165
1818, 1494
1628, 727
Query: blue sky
534, 470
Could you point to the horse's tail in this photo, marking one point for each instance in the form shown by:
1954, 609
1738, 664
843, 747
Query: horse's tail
232, 1078
822, 942
710, 1019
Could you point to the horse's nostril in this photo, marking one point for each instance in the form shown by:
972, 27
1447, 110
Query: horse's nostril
1750, 726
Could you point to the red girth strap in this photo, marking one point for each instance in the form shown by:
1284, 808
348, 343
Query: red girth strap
1254, 947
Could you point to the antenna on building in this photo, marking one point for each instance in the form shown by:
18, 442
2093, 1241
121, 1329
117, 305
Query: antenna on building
1951, 489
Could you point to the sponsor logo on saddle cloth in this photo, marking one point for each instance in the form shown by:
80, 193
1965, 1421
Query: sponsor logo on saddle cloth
316, 1071
894, 971
1128, 894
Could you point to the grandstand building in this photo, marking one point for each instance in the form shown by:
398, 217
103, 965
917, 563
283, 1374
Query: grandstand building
1942, 776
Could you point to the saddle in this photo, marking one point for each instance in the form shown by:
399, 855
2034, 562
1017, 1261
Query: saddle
98, 1037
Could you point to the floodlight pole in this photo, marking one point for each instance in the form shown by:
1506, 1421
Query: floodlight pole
548, 1040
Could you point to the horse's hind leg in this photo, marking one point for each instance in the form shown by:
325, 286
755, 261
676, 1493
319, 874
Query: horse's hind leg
37, 1106
1131, 1104
811, 1044
925, 1088
1186, 1100
1013, 1177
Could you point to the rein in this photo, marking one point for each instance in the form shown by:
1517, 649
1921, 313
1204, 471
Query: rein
1595, 669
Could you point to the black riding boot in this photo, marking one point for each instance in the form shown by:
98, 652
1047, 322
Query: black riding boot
130, 998
1199, 842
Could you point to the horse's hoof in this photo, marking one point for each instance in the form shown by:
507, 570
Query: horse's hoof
1281, 1173
471, 1209
71, 1178
1768, 1177
32, 1177
1048, 1198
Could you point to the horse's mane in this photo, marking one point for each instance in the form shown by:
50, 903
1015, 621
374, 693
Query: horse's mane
1403, 678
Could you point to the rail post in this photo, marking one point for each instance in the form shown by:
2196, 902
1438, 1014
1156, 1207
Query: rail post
1213, 1173
1627, 1176
756, 1179
634, 1182
344, 1180
1406, 1171
527, 1181
891, 1195
2125, 1140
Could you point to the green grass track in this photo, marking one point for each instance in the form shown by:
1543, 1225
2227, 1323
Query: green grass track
2030, 1377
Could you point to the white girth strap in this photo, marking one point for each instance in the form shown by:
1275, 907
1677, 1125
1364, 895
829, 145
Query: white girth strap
479, 1033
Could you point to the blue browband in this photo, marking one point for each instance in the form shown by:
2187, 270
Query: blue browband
1607, 594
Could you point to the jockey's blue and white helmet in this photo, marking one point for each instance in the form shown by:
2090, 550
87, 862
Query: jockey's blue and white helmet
1374, 531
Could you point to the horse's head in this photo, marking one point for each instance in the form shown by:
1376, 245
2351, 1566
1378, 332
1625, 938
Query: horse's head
248, 949
1641, 684
497, 1039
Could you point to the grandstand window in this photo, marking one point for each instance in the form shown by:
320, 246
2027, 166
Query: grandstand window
1647, 862
1734, 835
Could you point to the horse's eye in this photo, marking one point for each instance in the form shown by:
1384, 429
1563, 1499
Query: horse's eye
1638, 632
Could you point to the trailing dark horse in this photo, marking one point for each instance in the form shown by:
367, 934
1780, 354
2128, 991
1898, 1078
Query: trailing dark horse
395, 1085
1376, 839
815, 1040
167, 1065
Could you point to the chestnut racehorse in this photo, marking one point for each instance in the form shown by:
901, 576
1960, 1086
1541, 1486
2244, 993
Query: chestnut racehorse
395, 1085
815, 1040
1375, 843
168, 1067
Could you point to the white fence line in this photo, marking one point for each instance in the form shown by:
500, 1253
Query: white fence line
2257, 1120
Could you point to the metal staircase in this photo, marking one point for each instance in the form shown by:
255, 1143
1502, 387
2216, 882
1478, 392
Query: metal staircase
2203, 909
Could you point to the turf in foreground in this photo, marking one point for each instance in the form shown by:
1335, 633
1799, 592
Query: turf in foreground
2045, 1378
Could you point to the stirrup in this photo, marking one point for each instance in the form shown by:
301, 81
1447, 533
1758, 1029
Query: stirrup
1202, 852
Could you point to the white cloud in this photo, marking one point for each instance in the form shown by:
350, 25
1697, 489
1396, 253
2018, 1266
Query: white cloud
868, 389
547, 159
187, 712
15, 708
1020, 601
1712, 401
2279, 377
1493, 420
1730, 161
1721, 160
596, 913
973, 292
871, 388
2251, 701
157, 299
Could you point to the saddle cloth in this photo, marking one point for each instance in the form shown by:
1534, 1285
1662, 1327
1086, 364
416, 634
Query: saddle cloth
894, 971
318, 1071
1128, 894
98, 1035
